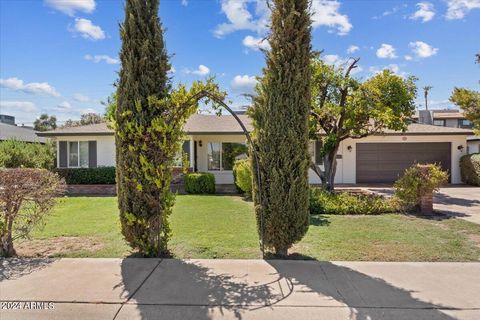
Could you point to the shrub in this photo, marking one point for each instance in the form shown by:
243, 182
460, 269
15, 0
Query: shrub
242, 173
324, 202
470, 169
100, 175
20, 154
418, 181
199, 183
35, 190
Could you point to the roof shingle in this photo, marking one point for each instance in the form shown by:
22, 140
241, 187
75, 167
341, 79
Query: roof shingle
226, 124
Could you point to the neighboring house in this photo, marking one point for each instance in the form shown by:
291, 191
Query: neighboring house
11, 131
453, 119
214, 142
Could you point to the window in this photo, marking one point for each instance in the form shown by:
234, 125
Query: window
231, 152
78, 154
214, 155
222, 156
438, 122
179, 157
464, 123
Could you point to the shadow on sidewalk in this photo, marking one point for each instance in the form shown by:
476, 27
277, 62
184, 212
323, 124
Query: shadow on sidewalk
14, 268
179, 289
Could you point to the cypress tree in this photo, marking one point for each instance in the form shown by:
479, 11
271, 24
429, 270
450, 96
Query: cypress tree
143, 168
280, 115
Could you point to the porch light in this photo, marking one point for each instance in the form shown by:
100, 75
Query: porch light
349, 148
460, 147
200, 143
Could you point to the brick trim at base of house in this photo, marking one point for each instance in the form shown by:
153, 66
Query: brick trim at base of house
92, 189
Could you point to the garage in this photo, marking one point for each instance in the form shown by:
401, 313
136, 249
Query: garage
385, 162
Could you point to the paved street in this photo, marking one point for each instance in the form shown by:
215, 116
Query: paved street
240, 289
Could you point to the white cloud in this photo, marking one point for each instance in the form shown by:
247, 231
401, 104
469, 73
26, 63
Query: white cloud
425, 12
386, 51
172, 69
254, 15
88, 30
457, 9
422, 49
88, 110
325, 13
339, 62
101, 57
80, 97
352, 49
408, 57
69, 7
32, 87
63, 107
201, 71
24, 106
240, 18
256, 43
393, 67
184, 3
244, 84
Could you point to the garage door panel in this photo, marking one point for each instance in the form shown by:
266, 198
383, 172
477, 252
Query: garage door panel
385, 162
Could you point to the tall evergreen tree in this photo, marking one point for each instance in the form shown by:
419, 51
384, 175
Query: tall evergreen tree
280, 116
149, 120
144, 196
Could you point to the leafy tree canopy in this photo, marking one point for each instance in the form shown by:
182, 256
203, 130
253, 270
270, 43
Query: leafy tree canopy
85, 119
469, 101
345, 107
45, 123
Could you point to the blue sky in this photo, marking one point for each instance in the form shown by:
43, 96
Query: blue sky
61, 56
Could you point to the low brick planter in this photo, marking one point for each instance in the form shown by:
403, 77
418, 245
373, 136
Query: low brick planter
92, 189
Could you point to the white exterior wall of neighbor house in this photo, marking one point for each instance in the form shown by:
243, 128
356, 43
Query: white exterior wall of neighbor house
105, 148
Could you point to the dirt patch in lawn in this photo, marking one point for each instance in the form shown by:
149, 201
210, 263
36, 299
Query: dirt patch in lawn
57, 246
475, 238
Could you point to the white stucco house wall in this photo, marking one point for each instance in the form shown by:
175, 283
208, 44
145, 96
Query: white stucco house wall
210, 140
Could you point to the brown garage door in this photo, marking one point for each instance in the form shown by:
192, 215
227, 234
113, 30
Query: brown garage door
385, 162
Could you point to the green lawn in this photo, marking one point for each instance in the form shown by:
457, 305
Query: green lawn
224, 227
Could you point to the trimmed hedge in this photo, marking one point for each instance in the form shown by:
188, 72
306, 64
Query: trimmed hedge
100, 175
470, 169
324, 202
200, 183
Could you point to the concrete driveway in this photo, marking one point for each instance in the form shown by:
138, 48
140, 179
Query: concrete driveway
458, 201
461, 202
237, 289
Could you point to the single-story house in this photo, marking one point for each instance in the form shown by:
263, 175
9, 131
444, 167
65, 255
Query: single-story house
214, 142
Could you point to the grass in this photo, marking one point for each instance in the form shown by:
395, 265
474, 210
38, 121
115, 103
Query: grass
224, 227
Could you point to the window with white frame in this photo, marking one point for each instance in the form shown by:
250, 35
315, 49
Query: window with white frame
439, 122
222, 155
78, 154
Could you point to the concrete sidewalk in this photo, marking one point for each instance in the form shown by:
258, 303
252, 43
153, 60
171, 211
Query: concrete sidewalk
239, 289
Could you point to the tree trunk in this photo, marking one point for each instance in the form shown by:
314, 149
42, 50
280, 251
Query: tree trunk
328, 175
330, 170
6, 245
281, 251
